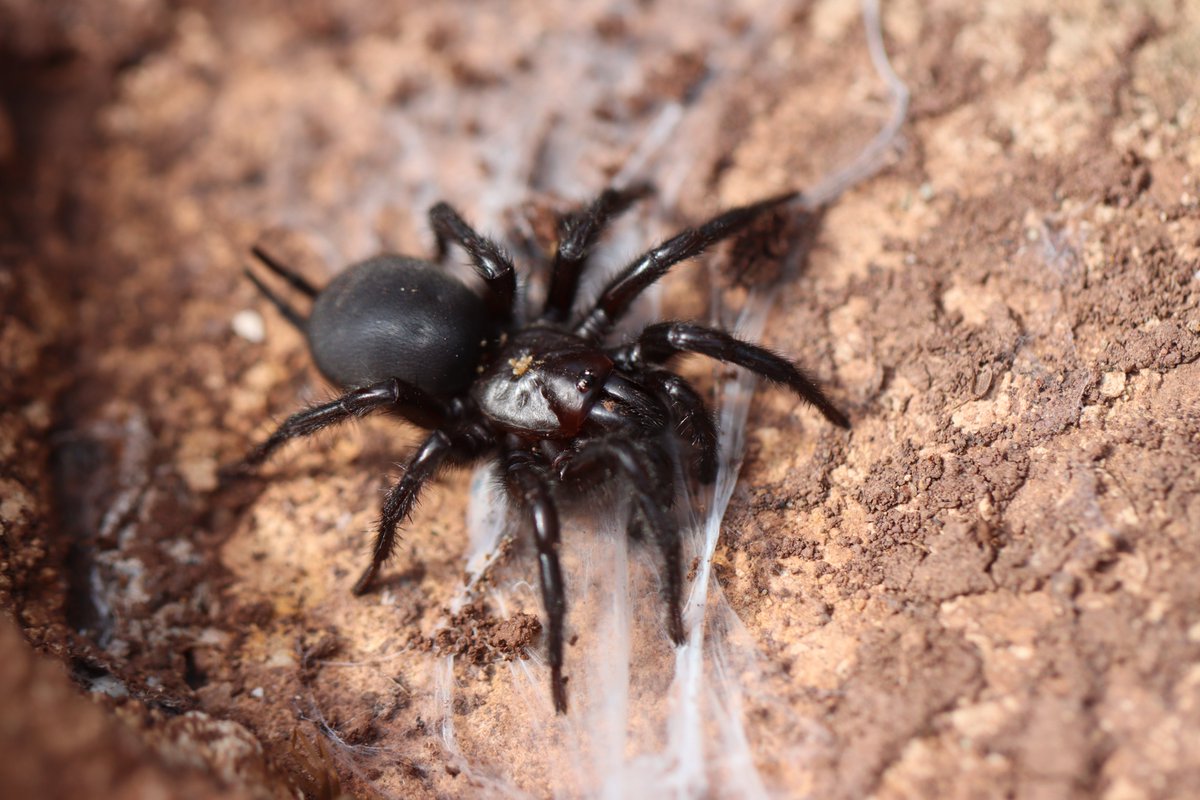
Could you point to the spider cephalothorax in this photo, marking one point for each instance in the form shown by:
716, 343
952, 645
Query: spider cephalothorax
552, 402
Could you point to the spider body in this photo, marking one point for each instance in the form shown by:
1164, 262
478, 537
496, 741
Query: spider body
543, 384
555, 406
396, 317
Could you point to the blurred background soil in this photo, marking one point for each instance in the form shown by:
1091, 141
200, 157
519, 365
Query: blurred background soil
988, 588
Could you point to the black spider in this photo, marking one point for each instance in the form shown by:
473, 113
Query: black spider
549, 400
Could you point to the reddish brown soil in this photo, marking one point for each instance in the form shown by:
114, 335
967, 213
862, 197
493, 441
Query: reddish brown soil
988, 588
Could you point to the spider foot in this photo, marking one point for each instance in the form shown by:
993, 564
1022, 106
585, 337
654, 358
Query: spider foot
558, 688
675, 626
237, 471
363, 584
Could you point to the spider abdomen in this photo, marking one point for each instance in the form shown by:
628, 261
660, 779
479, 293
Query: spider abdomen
398, 317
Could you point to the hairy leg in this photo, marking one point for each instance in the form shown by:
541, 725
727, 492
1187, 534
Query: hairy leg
657, 344
643, 477
647, 268
693, 418
528, 486
491, 263
405, 399
578, 233
400, 499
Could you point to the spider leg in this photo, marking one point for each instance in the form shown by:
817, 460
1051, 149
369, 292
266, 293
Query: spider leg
693, 418
405, 399
641, 476
577, 234
527, 483
659, 343
491, 263
639, 275
401, 498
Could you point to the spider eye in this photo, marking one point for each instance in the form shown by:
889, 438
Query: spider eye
586, 381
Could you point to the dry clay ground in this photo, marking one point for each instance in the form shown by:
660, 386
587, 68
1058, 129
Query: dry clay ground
988, 588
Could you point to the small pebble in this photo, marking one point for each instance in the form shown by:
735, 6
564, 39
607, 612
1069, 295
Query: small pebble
1112, 384
249, 325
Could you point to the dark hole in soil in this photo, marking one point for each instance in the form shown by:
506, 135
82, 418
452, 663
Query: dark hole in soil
74, 466
193, 675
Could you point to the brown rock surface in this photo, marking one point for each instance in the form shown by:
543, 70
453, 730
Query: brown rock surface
986, 589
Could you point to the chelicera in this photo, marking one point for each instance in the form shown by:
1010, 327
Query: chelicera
550, 400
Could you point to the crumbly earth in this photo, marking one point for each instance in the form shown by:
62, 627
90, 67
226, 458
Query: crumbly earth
988, 588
